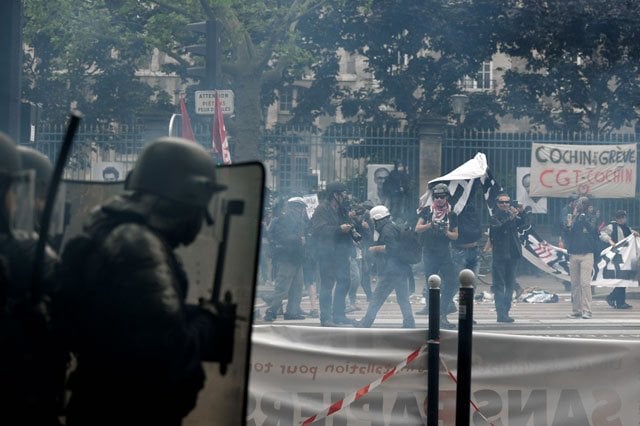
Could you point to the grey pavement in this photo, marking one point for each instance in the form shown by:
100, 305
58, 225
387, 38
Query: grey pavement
543, 319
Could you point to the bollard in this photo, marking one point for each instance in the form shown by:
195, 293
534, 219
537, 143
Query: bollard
465, 338
433, 354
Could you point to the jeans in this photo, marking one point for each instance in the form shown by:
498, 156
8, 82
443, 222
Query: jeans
465, 258
392, 279
355, 273
334, 273
504, 279
289, 283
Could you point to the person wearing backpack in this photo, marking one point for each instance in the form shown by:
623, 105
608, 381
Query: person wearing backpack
392, 271
439, 226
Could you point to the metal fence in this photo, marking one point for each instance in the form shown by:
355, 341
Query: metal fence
507, 151
99, 152
299, 160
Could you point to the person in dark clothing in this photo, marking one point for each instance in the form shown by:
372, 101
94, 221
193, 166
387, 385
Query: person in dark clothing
332, 234
581, 236
613, 233
393, 273
396, 190
507, 250
464, 250
287, 238
32, 361
439, 225
138, 344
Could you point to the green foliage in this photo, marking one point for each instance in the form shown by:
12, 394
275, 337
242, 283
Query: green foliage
581, 61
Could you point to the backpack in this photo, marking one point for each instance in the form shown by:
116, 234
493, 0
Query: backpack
410, 247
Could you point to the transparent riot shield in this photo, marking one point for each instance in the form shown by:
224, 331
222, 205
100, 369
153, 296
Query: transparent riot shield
79, 199
237, 213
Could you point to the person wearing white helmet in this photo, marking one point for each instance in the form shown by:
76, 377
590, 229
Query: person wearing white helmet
393, 273
287, 237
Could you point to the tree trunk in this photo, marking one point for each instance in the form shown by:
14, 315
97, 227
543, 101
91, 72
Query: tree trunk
248, 120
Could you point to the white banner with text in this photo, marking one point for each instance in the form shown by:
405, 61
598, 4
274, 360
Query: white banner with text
299, 371
601, 171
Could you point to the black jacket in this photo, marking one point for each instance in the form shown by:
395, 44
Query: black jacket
33, 360
331, 243
389, 236
286, 234
503, 232
139, 346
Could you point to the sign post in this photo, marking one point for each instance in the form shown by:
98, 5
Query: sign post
206, 101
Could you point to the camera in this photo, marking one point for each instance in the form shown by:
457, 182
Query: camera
439, 227
355, 235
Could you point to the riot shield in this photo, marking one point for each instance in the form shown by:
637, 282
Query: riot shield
237, 213
229, 279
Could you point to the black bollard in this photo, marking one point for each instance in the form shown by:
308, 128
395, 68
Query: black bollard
433, 353
465, 338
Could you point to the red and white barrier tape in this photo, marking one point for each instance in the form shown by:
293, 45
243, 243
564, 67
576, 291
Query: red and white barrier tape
348, 400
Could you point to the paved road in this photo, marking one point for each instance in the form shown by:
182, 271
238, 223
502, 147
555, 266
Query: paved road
543, 319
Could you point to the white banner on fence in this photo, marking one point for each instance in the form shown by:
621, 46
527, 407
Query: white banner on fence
606, 171
299, 371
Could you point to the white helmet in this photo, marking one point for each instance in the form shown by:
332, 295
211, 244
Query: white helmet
379, 212
297, 200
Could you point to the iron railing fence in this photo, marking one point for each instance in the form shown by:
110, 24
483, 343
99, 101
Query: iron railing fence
507, 151
299, 160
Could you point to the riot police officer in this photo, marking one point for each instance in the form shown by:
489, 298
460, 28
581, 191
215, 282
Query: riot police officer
138, 344
32, 365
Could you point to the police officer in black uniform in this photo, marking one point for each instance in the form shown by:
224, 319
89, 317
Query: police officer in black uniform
138, 345
32, 364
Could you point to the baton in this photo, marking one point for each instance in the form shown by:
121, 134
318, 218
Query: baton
58, 170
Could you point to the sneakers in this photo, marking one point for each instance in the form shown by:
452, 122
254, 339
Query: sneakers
360, 324
624, 306
269, 316
610, 301
344, 321
290, 317
575, 315
505, 318
586, 315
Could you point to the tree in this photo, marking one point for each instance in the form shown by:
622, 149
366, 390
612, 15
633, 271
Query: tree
580, 63
418, 52
84, 54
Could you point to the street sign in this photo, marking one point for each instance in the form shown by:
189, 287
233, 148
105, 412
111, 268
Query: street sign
206, 101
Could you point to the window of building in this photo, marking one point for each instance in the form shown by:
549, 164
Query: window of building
285, 99
483, 80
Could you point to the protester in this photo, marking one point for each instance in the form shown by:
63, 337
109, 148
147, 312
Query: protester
580, 236
288, 241
32, 361
507, 250
616, 231
393, 273
332, 233
464, 250
138, 345
396, 190
439, 226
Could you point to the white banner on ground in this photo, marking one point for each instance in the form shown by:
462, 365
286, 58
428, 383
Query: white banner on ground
616, 266
605, 171
299, 371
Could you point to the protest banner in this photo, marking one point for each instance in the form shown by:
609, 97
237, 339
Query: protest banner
298, 372
601, 171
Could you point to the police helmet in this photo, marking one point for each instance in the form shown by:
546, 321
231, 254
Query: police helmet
9, 158
176, 169
335, 187
440, 189
379, 213
35, 160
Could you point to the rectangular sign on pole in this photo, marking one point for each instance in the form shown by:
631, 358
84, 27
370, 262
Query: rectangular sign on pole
601, 171
206, 101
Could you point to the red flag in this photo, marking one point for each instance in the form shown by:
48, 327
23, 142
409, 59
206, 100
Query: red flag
187, 131
220, 143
